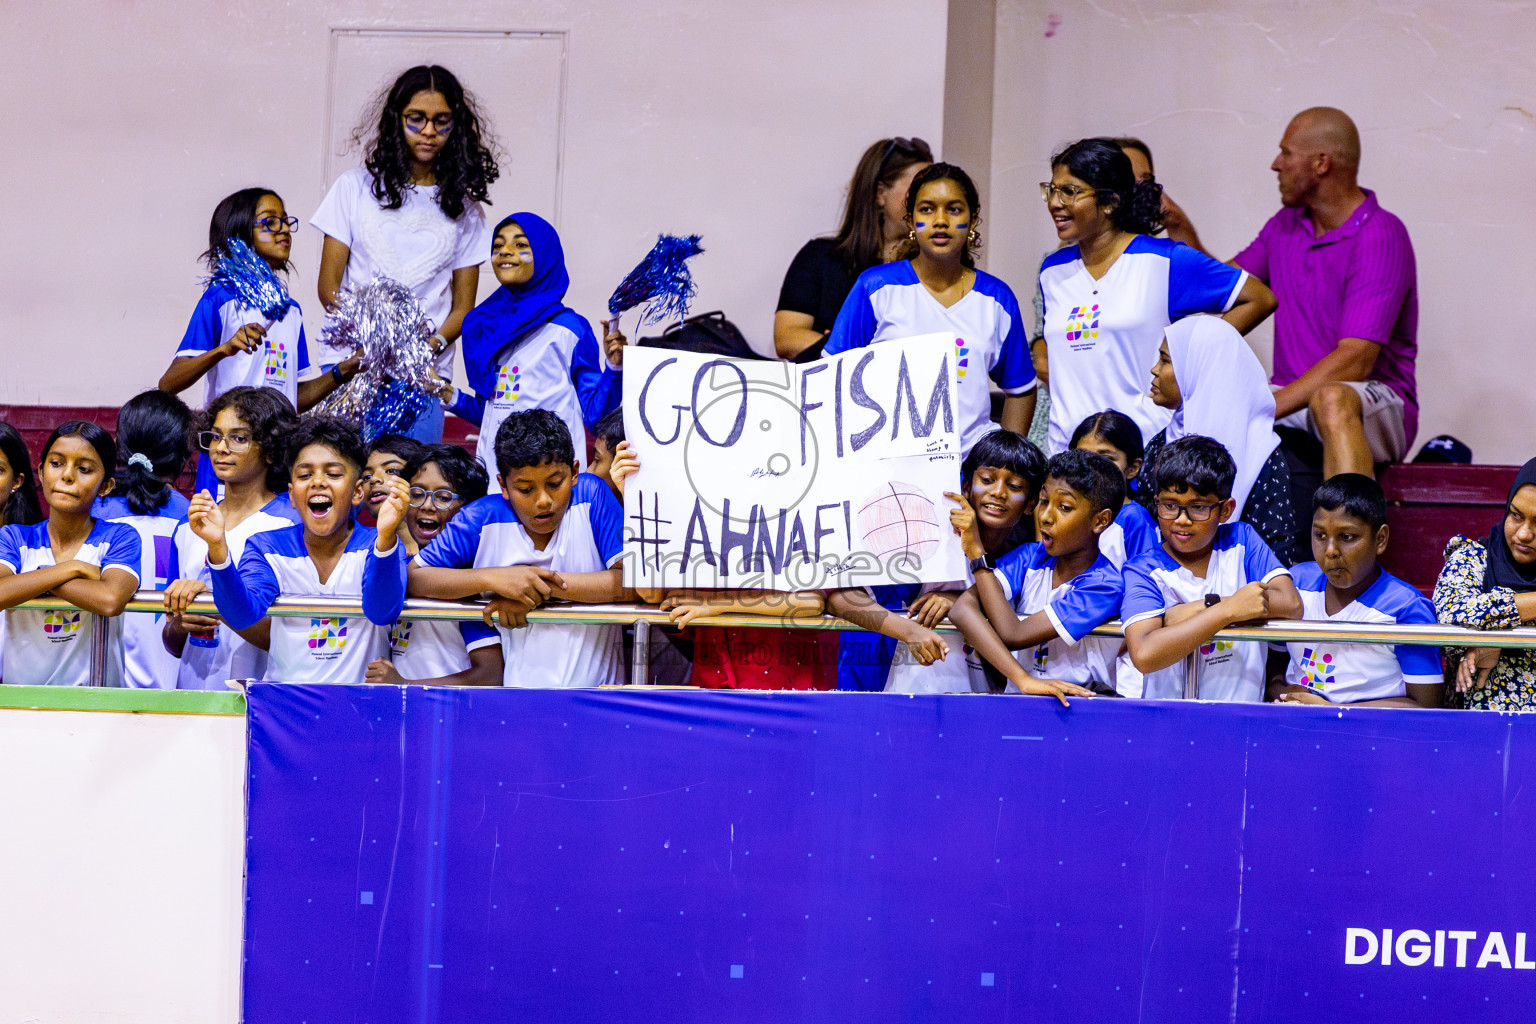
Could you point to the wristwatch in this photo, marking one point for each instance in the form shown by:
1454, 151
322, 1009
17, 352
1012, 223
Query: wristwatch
1212, 600
986, 562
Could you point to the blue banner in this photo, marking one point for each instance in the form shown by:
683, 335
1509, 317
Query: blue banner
452, 855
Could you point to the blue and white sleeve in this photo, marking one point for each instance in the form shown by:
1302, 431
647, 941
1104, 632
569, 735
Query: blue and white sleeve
1420, 665
1143, 597
245, 592
467, 406
125, 551
1259, 563
1010, 573
455, 547
855, 325
10, 548
1014, 371
1093, 599
607, 521
477, 634
304, 367
597, 388
205, 331
1198, 283
384, 585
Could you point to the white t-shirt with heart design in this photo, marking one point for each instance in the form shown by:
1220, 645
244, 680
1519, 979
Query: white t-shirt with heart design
416, 245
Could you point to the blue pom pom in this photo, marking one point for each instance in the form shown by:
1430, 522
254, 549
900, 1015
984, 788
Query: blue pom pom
394, 408
252, 280
661, 280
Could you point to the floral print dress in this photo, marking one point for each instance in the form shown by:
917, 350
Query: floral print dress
1461, 601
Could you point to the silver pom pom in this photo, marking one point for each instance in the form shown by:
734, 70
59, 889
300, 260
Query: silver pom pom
383, 323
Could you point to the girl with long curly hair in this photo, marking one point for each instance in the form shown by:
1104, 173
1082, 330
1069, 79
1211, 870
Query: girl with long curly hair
413, 212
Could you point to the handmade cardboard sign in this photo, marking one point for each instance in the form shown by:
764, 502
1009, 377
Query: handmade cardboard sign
783, 476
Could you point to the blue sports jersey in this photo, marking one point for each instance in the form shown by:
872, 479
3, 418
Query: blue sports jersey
322, 649
888, 303
1076, 607
589, 539
1230, 670
54, 648
1131, 534
1346, 673
146, 662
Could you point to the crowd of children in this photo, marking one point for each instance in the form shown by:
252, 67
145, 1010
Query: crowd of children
1177, 538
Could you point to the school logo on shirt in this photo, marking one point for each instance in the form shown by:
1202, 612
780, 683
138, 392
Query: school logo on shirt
327, 636
1217, 652
1317, 669
400, 636
509, 384
961, 362
1042, 656
1083, 327
61, 626
277, 360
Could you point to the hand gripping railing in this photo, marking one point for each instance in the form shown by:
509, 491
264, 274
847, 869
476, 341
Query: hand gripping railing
643, 617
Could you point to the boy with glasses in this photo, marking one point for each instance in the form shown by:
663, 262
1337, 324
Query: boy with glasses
444, 478
1206, 575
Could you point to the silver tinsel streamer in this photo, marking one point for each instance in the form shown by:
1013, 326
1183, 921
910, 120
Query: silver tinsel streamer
383, 322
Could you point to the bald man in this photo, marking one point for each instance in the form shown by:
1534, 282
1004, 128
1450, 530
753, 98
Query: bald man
1346, 332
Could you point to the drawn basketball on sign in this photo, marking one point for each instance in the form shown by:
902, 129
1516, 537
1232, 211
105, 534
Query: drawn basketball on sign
898, 520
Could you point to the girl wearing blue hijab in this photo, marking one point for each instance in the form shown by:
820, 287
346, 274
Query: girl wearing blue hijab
525, 349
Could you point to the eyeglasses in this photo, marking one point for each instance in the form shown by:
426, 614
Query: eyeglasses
1170, 510
417, 122
914, 145
272, 225
1068, 193
235, 441
441, 498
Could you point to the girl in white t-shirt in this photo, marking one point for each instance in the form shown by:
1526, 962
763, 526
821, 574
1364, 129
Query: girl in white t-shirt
228, 344
243, 434
412, 212
525, 349
935, 288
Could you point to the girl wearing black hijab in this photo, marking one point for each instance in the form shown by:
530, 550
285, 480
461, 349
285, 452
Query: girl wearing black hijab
1491, 584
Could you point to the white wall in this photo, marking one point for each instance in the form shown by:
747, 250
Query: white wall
1444, 92
121, 871
735, 120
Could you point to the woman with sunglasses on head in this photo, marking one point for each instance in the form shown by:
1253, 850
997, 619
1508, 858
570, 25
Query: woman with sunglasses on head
874, 226
412, 212
1110, 291
229, 344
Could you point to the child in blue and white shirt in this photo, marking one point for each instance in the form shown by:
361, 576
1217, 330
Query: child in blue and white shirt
1206, 575
524, 349
1116, 436
938, 290
328, 555
89, 562
443, 478
552, 533
244, 438
1044, 598
1345, 584
152, 430
227, 343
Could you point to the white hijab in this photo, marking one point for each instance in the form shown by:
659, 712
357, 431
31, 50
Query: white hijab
1225, 396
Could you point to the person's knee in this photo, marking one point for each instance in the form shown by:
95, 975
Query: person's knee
1337, 407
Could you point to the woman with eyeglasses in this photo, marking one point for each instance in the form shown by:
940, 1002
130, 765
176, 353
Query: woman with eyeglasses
1111, 289
874, 226
444, 478
412, 212
228, 344
243, 433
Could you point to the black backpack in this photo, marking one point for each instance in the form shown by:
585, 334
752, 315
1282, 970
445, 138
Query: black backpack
709, 334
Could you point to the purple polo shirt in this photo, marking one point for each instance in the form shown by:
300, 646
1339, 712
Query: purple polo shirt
1356, 281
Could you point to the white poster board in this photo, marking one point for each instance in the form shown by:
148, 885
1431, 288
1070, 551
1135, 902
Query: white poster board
783, 476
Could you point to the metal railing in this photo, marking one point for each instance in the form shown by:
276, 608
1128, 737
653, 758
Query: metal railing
644, 617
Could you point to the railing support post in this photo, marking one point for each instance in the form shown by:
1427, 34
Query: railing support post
100, 624
1192, 675
640, 658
